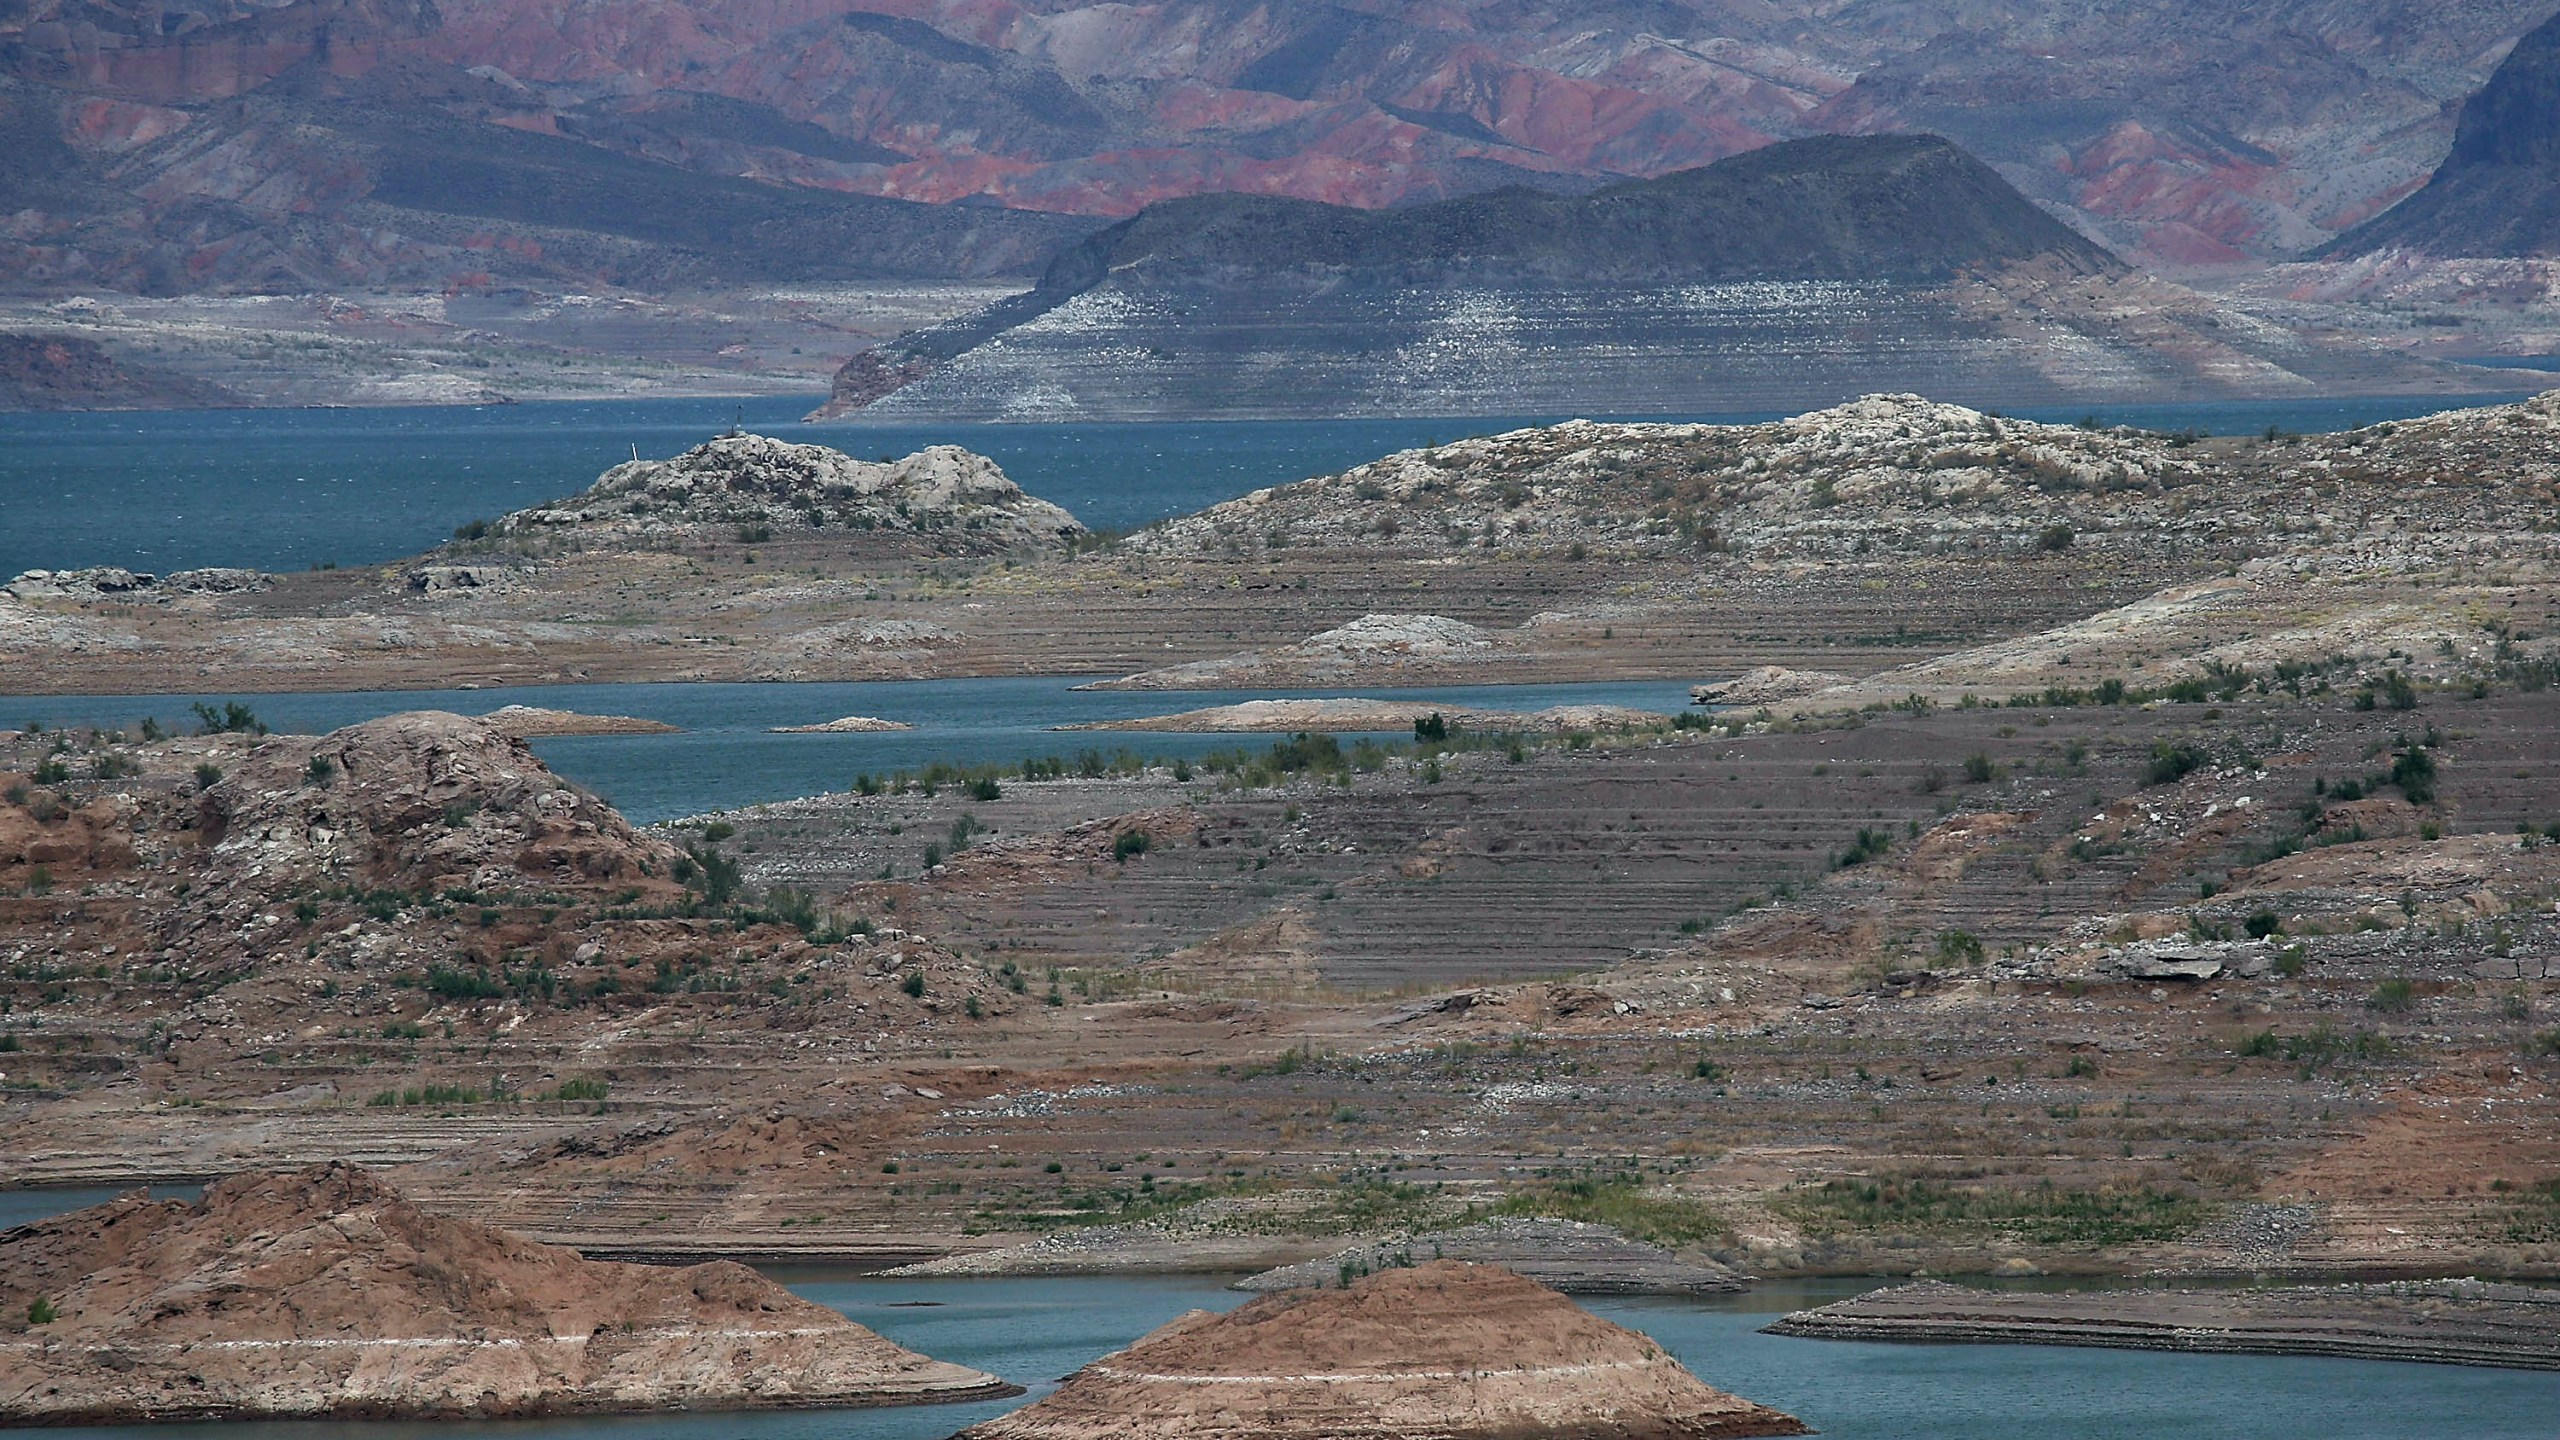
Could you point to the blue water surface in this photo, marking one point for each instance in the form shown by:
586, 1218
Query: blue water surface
290, 489
725, 756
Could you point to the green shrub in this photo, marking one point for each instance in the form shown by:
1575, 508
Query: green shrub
1129, 844
2172, 763
233, 718
913, 985
2394, 996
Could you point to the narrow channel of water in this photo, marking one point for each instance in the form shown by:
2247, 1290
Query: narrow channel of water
725, 755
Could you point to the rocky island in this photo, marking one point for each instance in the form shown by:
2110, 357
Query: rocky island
323, 1293
1447, 1350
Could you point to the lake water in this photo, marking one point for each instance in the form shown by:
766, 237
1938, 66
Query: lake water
289, 489
1033, 1331
725, 756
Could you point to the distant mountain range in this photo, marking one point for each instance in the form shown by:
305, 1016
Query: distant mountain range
302, 144
2498, 191
1793, 274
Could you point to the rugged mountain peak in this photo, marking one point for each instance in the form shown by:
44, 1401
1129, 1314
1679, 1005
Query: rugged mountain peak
275, 1295
2498, 191
960, 499
1448, 1350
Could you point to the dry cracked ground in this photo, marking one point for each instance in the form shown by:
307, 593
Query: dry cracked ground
2165, 876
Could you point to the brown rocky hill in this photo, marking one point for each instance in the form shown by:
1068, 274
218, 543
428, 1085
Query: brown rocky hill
1448, 1350
324, 1293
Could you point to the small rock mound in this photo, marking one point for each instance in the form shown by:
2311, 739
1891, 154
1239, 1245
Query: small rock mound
961, 501
411, 801
845, 725
1766, 686
324, 1293
1447, 1350
533, 722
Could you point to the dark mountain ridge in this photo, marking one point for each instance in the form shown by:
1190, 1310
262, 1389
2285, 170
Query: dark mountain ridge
2497, 194
1907, 209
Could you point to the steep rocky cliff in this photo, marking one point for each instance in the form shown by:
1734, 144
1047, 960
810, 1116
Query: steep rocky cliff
2498, 191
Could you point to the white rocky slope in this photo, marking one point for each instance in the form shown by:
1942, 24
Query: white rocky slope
959, 499
1899, 474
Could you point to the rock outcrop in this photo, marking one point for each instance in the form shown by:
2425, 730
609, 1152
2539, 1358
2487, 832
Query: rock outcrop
1766, 685
1447, 1350
1566, 1256
415, 801
323, 1293
533, 722
845, 725
758, 489
2450, 1322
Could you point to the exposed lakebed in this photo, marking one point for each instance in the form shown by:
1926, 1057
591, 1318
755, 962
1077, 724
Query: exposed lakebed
723, 754
1034, 1331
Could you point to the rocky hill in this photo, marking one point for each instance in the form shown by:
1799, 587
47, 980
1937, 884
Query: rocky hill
2498, 191
1786, 277
325, 1293
758, 489
1447, 1350
1897, 474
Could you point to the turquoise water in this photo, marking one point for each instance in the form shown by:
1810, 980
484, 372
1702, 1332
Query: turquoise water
289, 489
725, 757
1033, 1331
18, 1207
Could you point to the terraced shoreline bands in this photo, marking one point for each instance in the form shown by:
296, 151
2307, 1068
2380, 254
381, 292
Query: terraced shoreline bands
2443, 1323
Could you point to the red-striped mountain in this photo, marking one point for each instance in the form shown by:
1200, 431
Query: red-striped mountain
253, 145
